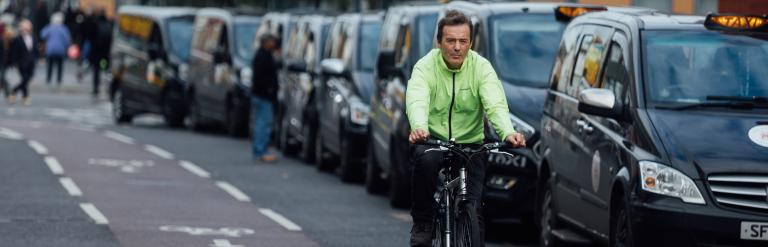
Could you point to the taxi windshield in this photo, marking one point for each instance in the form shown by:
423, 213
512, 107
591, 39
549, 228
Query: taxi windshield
523, 47
245, 33
690, 66
180, 36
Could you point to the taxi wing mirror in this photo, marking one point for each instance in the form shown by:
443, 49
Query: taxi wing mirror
385, 64
297, 66
600, 102
333, 67
220, 57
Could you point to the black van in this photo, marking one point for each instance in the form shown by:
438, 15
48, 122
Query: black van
345, 92
301, 76
408, 33
655, 131
149, 62
220, 69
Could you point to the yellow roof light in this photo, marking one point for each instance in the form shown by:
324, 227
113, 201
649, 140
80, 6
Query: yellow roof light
736, 22
567, 13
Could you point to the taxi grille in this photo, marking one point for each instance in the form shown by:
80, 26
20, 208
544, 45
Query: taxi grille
749, 192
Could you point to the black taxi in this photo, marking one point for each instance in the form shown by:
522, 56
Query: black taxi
655, 132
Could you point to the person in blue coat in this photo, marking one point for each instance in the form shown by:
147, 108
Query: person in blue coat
57, 39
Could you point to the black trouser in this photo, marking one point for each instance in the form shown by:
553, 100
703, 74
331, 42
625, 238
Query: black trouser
57, 61
426, 168
96, 66
26, 75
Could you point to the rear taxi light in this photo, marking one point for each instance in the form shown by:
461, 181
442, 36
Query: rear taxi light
567, 13
736, 22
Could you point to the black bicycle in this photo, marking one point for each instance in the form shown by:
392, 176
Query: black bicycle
456, 212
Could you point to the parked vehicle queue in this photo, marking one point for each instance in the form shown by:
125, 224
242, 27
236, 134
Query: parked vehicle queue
612, 161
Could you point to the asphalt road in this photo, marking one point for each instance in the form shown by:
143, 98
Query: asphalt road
70, 177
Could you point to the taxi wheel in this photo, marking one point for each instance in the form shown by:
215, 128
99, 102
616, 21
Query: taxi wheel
374, 184
236, 122
548, 218
119, 111
399, 185
322, 159
194, 115
308, 146
285, 139
621, 232
172, 112
348, 170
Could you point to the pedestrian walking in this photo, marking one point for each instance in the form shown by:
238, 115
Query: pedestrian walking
263, 96
24, 57
57, 39
98, 33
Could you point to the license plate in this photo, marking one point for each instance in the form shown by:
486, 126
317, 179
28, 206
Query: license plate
754, 230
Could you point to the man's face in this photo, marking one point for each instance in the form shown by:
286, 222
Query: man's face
25, 27
455, 44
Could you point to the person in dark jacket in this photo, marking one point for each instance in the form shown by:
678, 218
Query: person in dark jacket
24, 56
263, 96
98, 31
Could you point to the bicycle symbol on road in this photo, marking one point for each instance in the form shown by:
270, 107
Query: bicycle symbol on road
199, 231
126, 166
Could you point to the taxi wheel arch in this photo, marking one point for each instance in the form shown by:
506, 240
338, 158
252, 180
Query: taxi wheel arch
620, 217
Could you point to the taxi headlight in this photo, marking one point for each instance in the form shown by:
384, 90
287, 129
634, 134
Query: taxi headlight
358, 113
664, 180
246, 76
521, 126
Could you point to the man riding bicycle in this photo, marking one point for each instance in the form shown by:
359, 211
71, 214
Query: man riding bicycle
446, 92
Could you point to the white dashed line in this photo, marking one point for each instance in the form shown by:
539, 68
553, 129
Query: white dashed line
71, 187
194, 169
10, 134
94, 213
233, 191
289, 225
54, 165
39, 148
119, 137
224, 243
159, 152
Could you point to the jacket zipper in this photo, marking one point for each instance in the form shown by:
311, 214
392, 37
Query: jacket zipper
450, 109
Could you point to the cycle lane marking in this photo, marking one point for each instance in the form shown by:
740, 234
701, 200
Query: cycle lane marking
54, 165
39, 148
233, 191
94, 213
70, 186
119, 137
158, 151
194, 169
285, 222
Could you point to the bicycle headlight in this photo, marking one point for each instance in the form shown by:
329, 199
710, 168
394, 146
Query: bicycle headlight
246, 76
358, 112
664, 180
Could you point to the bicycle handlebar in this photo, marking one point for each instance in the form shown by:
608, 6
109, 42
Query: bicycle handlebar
469, 151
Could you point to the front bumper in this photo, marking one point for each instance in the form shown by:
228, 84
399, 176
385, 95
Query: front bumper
510, 188
670, 222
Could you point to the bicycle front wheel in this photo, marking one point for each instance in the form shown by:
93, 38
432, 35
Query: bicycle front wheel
468, 226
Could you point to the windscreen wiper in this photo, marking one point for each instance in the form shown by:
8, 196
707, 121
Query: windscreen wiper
721, 101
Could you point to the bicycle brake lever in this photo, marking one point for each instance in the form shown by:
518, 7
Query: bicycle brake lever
496, 151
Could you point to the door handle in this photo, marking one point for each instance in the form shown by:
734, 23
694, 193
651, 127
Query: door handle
584, 126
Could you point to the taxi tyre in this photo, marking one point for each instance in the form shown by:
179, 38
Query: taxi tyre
374, 184
172, 108
285, 139
322, 162
547, 217
348, 170
119, 110
236, 121
195, 120
309, 132
621, 229
399, 185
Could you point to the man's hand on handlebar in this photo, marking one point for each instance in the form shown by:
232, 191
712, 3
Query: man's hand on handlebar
418, 136
517, 140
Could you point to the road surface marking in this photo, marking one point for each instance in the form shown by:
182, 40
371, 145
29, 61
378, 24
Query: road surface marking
158, 151
234, 232
119, 137
94, 213
223, 243
10, 134
233, 191
289, 225
194, 169
126, 166
54, 165
10, 111
71, 187
82, 127
39, 148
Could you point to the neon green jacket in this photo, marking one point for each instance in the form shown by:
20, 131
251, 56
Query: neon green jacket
430, 105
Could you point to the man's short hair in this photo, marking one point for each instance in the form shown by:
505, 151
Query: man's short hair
269, 37
453, 18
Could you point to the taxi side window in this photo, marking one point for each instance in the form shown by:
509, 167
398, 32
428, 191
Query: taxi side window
403, 44
590, 60
564, 61
616, 76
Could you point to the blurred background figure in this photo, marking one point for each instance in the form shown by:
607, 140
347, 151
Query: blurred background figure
6, 34
24, 55
98, 32
264, 96
56, 38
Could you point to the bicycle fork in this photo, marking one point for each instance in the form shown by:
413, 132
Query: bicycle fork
461, 183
